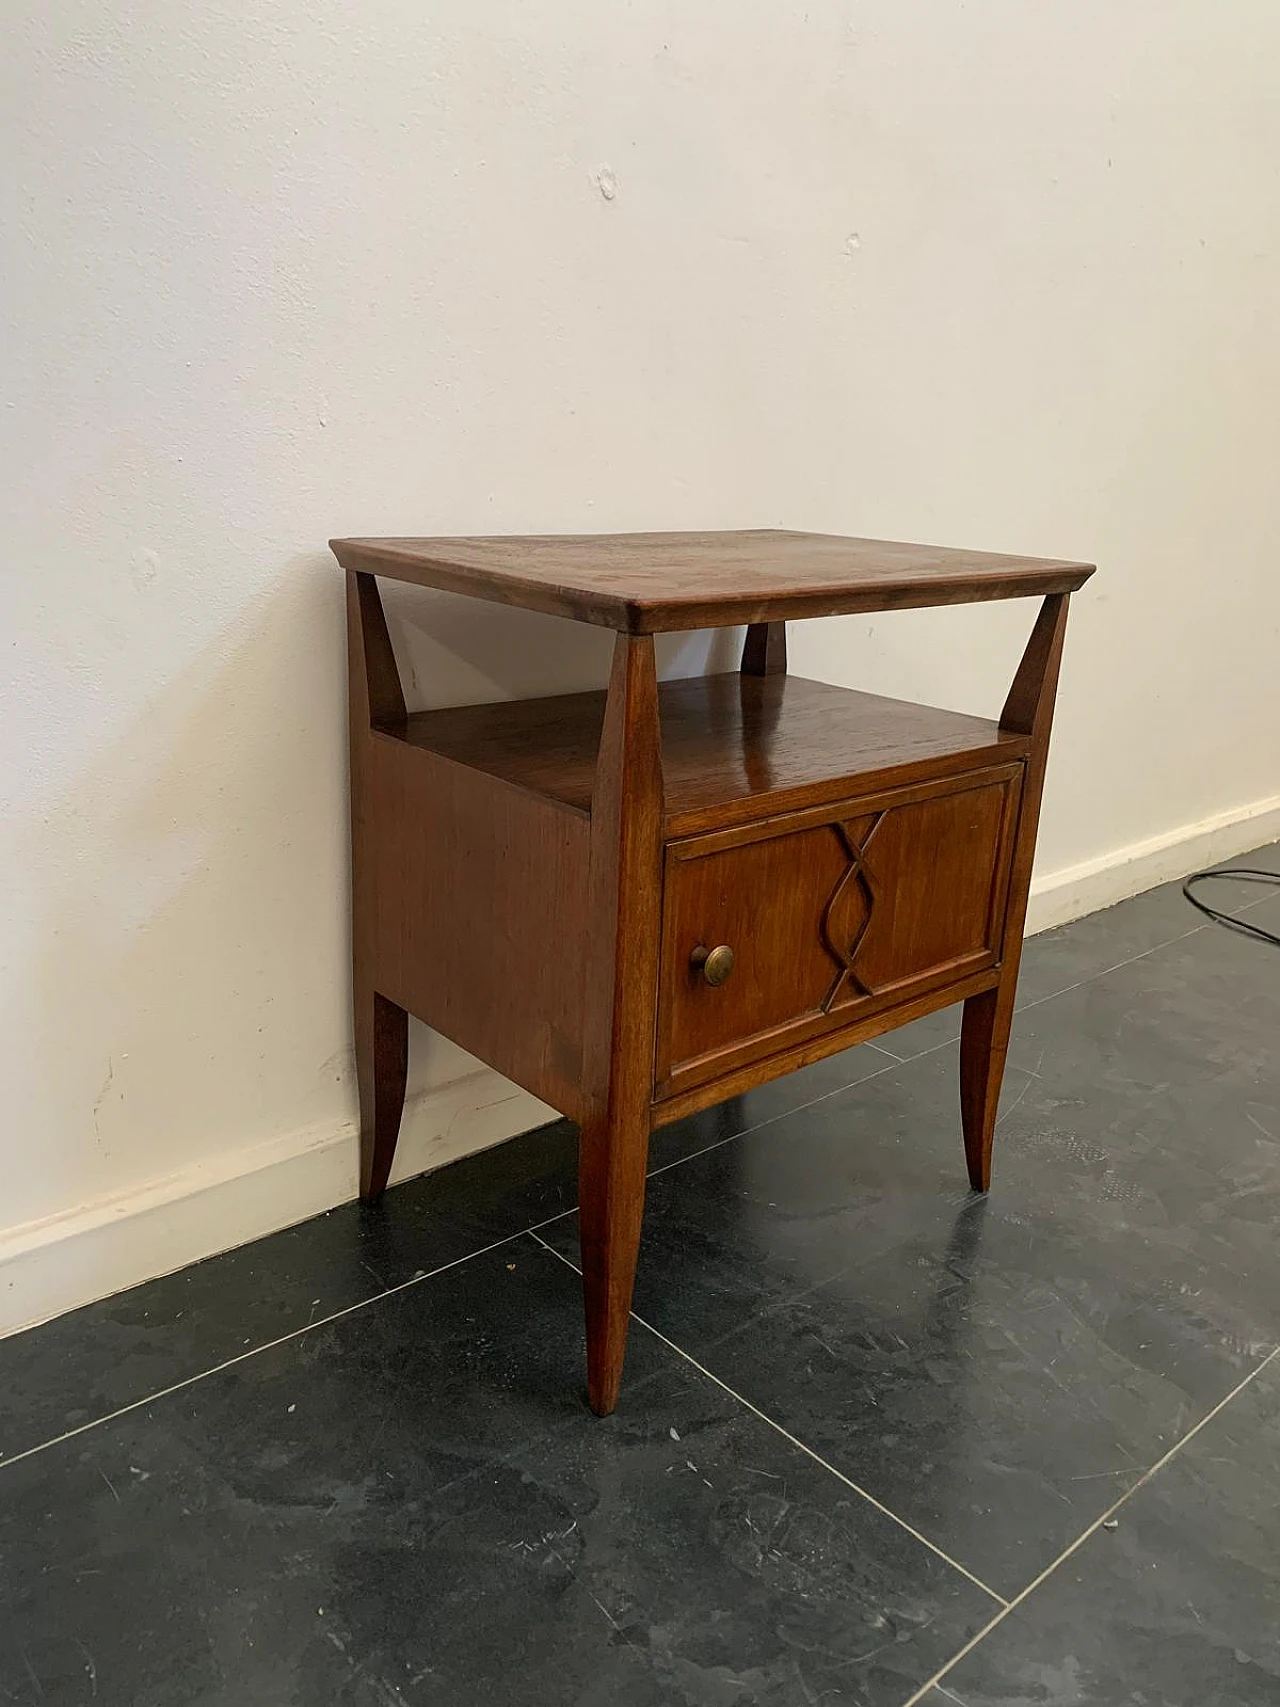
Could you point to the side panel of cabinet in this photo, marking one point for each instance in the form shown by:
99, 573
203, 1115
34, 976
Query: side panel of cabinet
480, 915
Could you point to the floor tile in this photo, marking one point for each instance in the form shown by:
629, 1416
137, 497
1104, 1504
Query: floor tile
1176, 1049
995, 1371
684, 1138
1264, 858
1068, 955
112, 1353
108, 1354
1177, 1606
1073, 953
412, 1505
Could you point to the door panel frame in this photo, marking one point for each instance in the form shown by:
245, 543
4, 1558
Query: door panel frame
673, 1077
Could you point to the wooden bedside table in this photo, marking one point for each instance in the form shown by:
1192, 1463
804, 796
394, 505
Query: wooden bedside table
638, 902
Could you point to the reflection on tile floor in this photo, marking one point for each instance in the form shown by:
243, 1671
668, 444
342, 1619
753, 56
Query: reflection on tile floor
944, 1396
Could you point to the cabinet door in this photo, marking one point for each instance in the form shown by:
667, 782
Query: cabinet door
830, 914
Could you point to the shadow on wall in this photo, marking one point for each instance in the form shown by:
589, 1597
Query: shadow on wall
186, 981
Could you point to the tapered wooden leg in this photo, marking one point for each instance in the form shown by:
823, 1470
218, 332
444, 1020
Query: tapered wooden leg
984, 1043
764, 649
382, 1062
375, 701
611, 1168
984, 1031
622, 972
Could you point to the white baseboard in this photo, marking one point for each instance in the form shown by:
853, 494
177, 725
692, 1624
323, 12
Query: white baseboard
1059, 896
51, 1266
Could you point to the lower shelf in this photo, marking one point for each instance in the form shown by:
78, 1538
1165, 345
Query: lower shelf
734, 747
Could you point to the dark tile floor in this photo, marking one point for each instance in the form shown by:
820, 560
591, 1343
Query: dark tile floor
880, 1441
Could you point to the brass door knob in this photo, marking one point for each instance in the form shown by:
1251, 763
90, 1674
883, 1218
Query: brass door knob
715, 964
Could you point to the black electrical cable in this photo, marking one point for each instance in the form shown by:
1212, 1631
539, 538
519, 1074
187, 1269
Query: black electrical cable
1231, 920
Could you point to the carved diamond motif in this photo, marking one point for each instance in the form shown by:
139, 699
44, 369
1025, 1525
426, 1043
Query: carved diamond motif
847, 915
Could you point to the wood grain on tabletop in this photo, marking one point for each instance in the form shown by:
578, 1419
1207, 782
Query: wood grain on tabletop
650, 583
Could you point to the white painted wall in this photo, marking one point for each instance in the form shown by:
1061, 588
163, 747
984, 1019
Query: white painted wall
999, 274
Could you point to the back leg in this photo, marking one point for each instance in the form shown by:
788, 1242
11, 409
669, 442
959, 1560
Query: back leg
382, 1065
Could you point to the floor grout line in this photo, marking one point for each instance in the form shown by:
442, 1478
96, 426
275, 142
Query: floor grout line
783, 1114
390, 1291
1080, 983
1093, 1528
892, 1062
1026, 1007
881, 1050
254, 1351
1154, 949
1107, 970
794, 1441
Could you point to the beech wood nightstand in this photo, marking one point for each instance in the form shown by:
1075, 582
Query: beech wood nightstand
639, 902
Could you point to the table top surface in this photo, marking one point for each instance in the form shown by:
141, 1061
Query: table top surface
647, 583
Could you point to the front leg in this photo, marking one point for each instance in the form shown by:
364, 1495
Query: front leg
625, 916
984, 1032
612, 1156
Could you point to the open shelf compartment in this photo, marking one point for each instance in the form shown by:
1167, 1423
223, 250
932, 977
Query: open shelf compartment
734, 747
